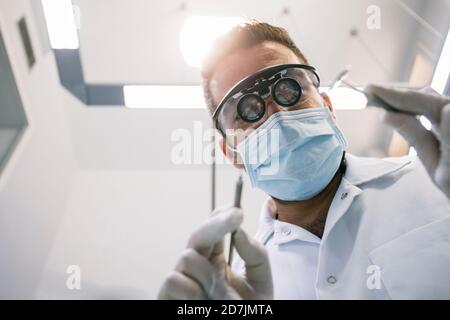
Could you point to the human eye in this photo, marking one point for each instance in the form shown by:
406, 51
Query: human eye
237, 118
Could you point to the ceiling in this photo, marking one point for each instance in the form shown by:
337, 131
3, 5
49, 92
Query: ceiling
137, 41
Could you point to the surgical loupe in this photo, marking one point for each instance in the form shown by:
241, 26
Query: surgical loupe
283, 83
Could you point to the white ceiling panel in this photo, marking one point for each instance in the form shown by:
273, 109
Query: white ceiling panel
137, 41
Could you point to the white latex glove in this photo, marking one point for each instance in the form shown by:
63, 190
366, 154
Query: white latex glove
202, 272
433, 147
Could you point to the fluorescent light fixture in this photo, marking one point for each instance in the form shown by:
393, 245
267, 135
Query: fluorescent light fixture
199, 33
163, 97
191, 97
441, 74
344, 98
61, 25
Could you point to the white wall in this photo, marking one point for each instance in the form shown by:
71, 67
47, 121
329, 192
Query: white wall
125, 231
36, 182
131, 209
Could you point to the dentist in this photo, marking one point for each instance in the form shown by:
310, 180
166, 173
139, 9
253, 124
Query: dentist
334, 225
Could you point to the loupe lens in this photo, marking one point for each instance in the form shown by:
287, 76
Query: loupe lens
286, 92
251, 108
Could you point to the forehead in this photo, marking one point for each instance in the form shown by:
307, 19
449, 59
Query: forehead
244, 62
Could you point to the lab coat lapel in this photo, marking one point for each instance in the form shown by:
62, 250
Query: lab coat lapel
359, 171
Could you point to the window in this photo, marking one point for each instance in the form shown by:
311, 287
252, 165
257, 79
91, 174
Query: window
12, 116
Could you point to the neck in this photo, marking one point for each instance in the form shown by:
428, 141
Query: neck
310, 214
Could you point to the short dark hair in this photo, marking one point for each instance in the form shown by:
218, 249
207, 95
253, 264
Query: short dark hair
245, 35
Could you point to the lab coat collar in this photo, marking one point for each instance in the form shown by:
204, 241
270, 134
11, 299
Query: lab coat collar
359, 171
282, 232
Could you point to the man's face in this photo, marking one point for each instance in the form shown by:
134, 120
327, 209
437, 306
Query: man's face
245, 62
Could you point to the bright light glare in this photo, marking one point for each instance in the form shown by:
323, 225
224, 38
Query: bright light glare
347, 99
199, 33
441, 75
61, 24
163, 97
412, 152
425, 122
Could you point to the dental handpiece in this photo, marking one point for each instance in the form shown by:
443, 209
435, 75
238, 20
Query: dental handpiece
237, 204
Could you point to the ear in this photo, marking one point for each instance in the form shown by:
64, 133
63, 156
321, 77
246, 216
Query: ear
327, 101
229, 154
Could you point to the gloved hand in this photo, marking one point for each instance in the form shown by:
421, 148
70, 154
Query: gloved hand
433, 147
202, 272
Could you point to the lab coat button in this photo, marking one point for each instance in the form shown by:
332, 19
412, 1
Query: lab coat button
286, 232
344, 195
331, 280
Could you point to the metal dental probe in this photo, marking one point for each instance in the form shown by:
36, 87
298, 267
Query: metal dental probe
237, 204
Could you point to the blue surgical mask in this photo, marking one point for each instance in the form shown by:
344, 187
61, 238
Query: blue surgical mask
294, 154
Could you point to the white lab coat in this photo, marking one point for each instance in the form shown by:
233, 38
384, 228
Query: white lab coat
387, 236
